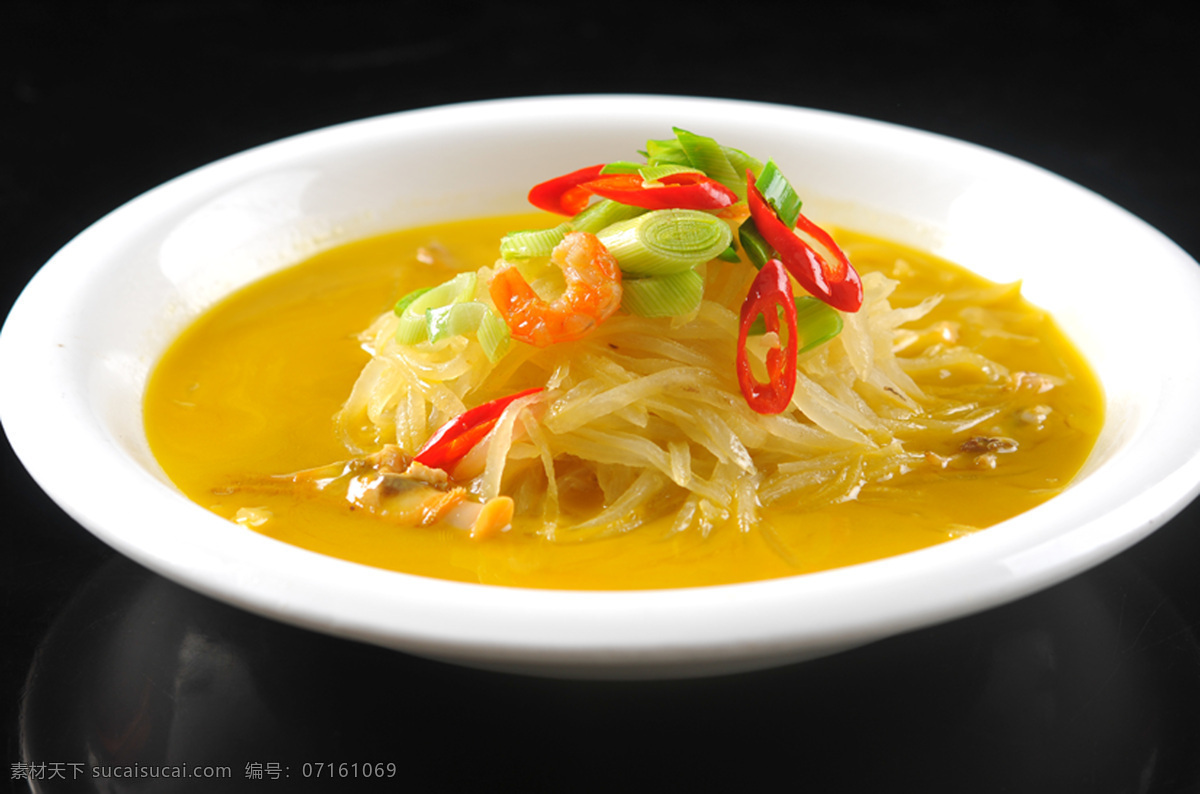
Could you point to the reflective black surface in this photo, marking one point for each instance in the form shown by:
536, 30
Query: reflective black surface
1093, 682
1090, 686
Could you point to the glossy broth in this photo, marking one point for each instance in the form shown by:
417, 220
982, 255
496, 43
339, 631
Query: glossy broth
252, 386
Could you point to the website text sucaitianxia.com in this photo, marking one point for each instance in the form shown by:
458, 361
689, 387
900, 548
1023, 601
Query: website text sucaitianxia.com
255, 770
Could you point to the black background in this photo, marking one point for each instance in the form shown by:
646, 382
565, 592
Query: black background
1091, 686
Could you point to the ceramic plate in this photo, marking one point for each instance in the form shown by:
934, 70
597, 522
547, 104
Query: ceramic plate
79, 344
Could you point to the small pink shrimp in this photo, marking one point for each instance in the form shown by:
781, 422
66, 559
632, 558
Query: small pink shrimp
592, 294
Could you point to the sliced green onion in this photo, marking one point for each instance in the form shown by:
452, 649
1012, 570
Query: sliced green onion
779, 193
730, 254
493, 335
526, 245
742, 163
460, 319
456, 319
412, 327
709, 156
603, 213
663, 296
666, 151
652, 173
621, 167
754, 244
407, 300
687, 149
666, 241
457, 290
816, 322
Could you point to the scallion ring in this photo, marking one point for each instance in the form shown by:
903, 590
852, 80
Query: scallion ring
663, 242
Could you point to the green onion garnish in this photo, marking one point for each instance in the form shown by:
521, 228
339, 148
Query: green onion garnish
688, 149
666, 151
742, 163
407, 300
663, 296
652, 173
526, 245
621, 167
709, 156
493, 335
413, 327
473, 317
816, 322
666, 241
456, 319
603, 213
730, 254
779, 194
756, 247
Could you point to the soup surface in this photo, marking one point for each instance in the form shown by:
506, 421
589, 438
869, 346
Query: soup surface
251, 389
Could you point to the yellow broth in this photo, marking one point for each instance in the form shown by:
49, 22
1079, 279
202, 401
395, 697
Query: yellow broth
252, 386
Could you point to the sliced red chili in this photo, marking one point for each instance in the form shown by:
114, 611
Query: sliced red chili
685, 191
816, 262
563, 194
453, 440
770, 291
846, 293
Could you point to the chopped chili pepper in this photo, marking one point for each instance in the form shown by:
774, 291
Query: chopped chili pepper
847, 293
453, 440
685, 191
563, 194
770, 291
817, 262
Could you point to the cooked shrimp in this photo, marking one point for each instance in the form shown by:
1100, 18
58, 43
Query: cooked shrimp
592, 294
386, 484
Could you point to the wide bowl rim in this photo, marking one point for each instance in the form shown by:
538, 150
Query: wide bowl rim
605, 633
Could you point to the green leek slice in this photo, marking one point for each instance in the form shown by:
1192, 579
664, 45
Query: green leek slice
730, 254
754, 244
708, 155
730, 165
816, 323
779, 194
407, 300
663, 296
663, 242
603, 213
528, 244
413, 327
457, 319
653, 173
460, 319
666, 151
742, 163
493, 335
621, 167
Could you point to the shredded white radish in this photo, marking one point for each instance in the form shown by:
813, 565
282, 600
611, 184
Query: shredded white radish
650, 412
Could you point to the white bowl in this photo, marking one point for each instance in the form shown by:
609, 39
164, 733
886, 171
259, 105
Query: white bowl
78, 345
